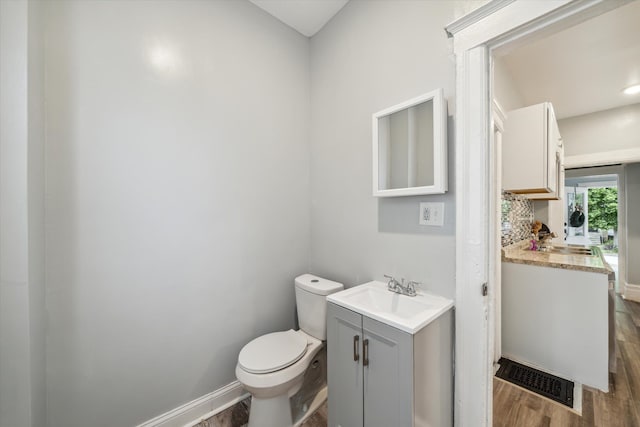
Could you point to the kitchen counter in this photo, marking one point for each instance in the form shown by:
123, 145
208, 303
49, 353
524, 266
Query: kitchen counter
557, 313
519, 253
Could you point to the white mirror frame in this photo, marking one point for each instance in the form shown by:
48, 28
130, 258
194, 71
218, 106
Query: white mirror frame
439, 146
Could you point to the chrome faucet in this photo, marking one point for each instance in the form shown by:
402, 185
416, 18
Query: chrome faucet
400, 288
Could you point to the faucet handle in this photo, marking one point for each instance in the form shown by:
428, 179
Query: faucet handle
411, 287
392, 285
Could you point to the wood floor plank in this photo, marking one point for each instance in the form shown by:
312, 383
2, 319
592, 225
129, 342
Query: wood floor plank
619, 382
527, 417
564, 418
627, 331
630, 307
634, 312
533, 402
634, 412
600, 410
587, 407
631, 358
617, 410
621, 305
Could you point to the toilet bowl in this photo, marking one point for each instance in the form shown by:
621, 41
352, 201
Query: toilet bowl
272, 366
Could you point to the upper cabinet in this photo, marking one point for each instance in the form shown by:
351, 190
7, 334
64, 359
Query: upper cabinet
410, 147
533, 153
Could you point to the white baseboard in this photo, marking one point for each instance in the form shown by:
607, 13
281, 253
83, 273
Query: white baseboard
631, 292
201, 408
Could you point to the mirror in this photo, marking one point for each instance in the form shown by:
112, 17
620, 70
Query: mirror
410, 147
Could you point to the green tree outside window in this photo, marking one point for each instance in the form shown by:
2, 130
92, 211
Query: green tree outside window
603, 208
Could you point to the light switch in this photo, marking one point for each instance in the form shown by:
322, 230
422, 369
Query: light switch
432, 214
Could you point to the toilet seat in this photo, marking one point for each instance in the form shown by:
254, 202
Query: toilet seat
272, 352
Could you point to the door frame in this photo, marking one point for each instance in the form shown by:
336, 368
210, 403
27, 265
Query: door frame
497, 24
498, 117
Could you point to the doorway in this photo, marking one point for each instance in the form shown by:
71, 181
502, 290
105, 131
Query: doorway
494, 25
597, 193
585, 209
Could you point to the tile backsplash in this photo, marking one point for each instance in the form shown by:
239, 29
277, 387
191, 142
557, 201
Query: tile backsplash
516, 217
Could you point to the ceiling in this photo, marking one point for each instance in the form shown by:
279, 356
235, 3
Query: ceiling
582, 69
305, 16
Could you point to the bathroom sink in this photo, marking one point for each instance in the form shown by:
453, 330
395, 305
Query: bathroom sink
409, 314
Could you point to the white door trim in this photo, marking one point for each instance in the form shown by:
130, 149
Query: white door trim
498, 116
505, 25
622, 236
632, 292
473, 389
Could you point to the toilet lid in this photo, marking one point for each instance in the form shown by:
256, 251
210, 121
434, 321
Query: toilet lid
272, 352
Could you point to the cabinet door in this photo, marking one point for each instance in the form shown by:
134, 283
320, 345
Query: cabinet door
388, 375
525, 157
344, 360
532, 153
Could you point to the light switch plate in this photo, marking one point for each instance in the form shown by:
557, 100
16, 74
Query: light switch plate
431, 214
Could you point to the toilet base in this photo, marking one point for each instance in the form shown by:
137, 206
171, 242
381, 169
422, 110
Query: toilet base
316, 403
270, 412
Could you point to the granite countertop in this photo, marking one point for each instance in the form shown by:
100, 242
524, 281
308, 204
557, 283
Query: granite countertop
519, 253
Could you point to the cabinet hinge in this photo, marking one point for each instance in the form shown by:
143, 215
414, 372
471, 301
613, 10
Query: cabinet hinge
485, 290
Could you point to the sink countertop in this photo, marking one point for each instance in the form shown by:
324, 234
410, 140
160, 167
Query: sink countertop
519, 253
409, 314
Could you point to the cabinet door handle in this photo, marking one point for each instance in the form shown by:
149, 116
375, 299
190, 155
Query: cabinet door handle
365, 352
356, 341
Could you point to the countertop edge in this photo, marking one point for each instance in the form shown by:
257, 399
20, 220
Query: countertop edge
510, 254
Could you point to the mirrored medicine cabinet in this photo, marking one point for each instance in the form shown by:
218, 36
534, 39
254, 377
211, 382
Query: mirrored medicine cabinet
410, 147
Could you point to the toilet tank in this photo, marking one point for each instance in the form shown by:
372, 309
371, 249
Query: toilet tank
311, 303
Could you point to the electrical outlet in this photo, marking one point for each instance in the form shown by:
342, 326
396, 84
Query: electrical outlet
431, 214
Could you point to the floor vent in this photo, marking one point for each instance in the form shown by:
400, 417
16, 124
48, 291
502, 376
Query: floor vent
547, 385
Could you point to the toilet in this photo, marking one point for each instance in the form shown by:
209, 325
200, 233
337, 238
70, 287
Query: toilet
272, 367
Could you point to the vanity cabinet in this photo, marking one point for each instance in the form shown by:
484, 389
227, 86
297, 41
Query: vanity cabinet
382, 376
533, 153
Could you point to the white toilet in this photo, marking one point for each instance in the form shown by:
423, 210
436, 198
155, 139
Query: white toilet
272, 366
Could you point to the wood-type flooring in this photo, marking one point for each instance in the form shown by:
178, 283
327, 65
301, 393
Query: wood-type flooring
238, 416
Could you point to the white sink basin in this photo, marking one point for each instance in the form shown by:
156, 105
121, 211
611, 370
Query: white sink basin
409, 314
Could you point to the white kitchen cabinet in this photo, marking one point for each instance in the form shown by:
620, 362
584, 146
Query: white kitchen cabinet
382, 376
558, 194
533, 153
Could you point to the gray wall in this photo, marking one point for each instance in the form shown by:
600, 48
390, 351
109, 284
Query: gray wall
632, 188
370, 56
22, 313
603, 131
36, 216
177, 199
505, 91
15, 389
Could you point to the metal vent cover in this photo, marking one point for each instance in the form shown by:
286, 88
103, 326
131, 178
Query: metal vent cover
542, 383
